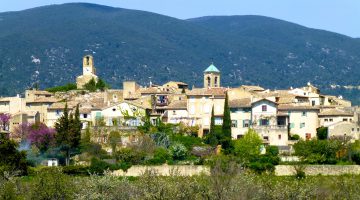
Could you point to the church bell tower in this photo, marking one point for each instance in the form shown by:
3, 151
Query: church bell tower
211, 77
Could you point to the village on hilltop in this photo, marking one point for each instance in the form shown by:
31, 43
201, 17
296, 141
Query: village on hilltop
279, 116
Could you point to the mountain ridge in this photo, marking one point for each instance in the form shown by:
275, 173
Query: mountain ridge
36, 45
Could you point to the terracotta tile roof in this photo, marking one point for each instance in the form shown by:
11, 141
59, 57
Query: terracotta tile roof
240, 103
252, 88
207, 92
182, 104
157, 90
335, 112
44, 100
263, 99
297, 107
61, 105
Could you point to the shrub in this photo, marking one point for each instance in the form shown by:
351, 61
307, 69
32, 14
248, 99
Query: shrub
78, 170
356, 158
98, 166
129, 155
295, 137
161, 155
188, 141
178, 151
322, 133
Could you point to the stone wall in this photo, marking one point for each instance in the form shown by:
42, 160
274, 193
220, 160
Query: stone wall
312, 170
166, 170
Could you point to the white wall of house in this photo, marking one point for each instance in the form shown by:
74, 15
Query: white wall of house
258, 113
329, 120
241, 121
118, 112
303, 122
344, 129
176, 116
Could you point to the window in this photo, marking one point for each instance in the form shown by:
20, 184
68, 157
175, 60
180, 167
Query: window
216, 81
114, 109
174, 112
246, 123
208, 81
302, 125
330, 120
292, 125
289, 113
308, 136
266, 138
353, 129
304, 114
85, 115
264, 122
57, 112
326, 120
234, 123
279, 136
345, 119
313, 103
239, 136
264, 108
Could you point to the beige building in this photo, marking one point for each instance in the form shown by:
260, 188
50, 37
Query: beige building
89, 72
240, 110
344, 129
334, 115
200, 102
303, 120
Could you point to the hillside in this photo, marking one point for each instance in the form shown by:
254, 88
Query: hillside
46, 45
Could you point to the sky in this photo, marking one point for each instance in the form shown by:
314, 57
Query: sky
341, 16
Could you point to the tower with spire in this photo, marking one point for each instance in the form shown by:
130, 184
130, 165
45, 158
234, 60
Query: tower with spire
211, 77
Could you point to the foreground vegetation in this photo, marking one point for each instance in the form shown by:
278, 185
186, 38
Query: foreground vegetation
226, 182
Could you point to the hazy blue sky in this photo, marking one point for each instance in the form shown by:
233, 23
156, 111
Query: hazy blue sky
342, 16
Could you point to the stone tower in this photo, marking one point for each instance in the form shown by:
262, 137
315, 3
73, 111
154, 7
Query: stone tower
88, 65
211, 77
89, 72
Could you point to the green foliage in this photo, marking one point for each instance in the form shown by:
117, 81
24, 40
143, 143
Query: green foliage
51, 183
91, 85
322, 133
114, 140
178, 151
225, 141
188, 141
248, 146
77, 170
212, 137
68, 132
10, 158
294, 137
318, 151
101, 85
129, 155
161, 155
63, 88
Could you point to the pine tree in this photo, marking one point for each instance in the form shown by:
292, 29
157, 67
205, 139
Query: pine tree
226, 127
91, 85
101, 85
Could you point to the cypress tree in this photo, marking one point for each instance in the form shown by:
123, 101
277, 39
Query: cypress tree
226, 127
211, 138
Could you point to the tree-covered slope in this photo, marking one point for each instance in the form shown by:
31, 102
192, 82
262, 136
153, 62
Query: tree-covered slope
46, 44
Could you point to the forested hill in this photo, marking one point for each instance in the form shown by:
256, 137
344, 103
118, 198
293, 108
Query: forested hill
46, 45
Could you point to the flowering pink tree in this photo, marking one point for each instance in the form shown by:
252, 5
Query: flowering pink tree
41, 136
5, 121
21, 132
